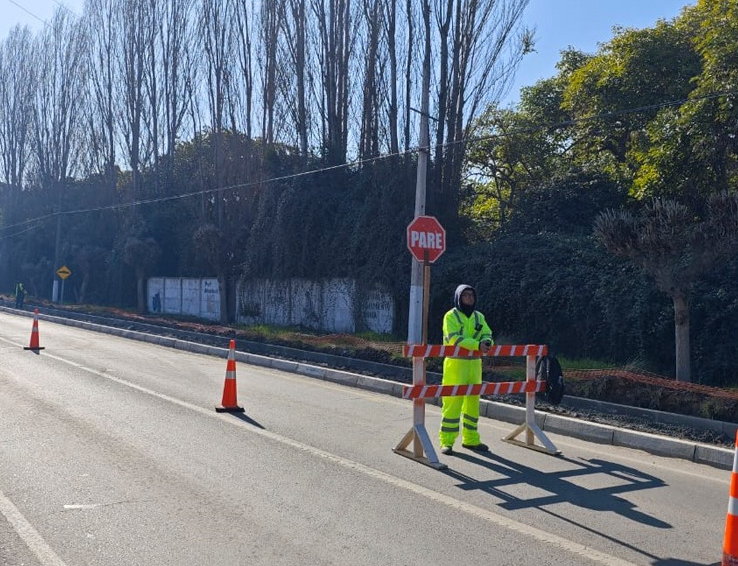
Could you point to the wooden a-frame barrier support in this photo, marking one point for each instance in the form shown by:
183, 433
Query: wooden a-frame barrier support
422, 450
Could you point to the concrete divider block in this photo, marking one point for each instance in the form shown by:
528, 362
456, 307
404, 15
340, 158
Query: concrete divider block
654, 444
374, 384
342, 377
311, 371
397, 389
190, 347
583, 430
281, 365
714, 456
261, 361
502, 412
166, 341
218, 352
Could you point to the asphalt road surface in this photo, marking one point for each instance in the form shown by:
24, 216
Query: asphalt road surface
111, 453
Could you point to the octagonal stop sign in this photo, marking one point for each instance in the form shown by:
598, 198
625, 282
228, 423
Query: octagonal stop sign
426, 238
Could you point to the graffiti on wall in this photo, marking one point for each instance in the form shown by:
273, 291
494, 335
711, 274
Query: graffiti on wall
333, 305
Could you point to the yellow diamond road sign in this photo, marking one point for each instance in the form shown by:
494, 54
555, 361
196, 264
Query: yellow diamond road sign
63, 272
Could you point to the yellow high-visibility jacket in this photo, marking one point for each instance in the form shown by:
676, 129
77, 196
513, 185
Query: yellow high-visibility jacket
467, 332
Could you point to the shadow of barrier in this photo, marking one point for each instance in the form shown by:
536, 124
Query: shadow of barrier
422, 447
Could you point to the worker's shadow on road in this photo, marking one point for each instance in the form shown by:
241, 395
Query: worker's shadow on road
561, 486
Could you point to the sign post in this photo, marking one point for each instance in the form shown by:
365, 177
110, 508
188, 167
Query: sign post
63, 272
426, 240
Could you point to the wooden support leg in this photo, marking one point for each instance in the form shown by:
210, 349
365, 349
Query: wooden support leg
531, 429
423, 450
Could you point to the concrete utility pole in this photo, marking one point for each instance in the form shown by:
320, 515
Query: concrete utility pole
415, 314
422, 447
57, 251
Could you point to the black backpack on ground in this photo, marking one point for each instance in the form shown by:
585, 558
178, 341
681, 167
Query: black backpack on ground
548, 369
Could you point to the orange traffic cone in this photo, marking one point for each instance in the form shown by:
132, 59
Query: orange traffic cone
730, 543
34, 334
229, 404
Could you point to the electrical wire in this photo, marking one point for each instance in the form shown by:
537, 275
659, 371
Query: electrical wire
362, 162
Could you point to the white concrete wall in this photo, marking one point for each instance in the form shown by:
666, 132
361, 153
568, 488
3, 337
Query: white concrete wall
210, 299
199, 298
322, 305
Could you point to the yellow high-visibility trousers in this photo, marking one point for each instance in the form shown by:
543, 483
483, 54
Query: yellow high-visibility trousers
460, 413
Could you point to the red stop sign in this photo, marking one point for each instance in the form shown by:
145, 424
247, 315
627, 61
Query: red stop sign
426, 238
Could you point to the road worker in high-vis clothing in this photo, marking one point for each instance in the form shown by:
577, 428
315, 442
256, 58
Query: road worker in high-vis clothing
466, 327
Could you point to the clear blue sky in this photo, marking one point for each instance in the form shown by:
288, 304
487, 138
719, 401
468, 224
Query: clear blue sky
581, 24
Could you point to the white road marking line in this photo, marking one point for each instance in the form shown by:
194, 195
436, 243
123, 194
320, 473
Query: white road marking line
723, 479
28, 534
575, 548
504, 428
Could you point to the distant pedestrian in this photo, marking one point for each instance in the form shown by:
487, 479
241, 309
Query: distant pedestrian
156, 303
20, 295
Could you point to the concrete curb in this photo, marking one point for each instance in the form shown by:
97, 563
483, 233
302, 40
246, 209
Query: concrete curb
548, 422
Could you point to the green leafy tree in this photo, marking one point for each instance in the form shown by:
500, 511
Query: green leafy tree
517, 150
690, 151
637, 70
674, 248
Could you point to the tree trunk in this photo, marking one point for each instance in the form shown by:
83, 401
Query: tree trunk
223, 291
681, 335
141, 295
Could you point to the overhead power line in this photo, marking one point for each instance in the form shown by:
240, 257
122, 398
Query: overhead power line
27, 11
359, 162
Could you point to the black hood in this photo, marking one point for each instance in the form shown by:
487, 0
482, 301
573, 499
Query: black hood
457, 299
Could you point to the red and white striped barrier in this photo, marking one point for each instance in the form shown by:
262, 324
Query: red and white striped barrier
437, 351
501, 388
419, 391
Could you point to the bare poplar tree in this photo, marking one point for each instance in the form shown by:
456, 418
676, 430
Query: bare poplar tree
409, 70
102, 31
391, 32
334, 24
16, 98
481, 43
443, 13
217, 32
245, 25
58, 108
295, 31
152, 93
175, 37
369, 134
215, 239
217, 36
270, 26
136, 36
60, 92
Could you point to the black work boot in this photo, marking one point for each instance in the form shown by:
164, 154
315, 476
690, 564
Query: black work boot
481, 447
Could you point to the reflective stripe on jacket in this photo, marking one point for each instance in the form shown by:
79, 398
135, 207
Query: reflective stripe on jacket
465, 331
